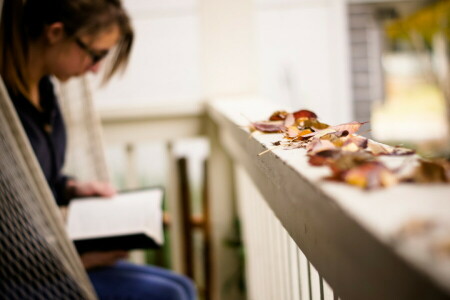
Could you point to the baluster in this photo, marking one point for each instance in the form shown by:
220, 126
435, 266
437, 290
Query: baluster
279, 292
286, 264
316, 293
264, 249
304, 276
284, 289
245, 205
272, 276
132, 182
131, 171
327, 291
294, 270
260, 288
173, 196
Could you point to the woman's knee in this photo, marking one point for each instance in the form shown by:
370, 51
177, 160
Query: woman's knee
170, 291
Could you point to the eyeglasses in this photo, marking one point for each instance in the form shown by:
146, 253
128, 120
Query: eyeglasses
96, 56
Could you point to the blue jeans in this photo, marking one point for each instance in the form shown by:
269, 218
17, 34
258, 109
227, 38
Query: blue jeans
126, 281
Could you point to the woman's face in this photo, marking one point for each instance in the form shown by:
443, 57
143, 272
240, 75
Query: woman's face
75, 56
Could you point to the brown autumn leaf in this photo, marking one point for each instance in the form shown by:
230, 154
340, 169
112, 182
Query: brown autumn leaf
324, 158
415, 227
315, 124
304, 114
279, 115
289, 121
342, 129
319, 146
441, 248
268, 126
360, 141
351, 127
320, 133
318, 160
370, 175
291, 132
348, 160
352, 143
431, 171
380, 149
339, 142
295, 144
339, 161
295, 133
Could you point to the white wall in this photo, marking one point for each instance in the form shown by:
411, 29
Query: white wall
303, 56
293, 52
164, 63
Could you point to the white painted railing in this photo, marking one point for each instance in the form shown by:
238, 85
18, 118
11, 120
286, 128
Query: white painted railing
168, 124
310, 239
304, 238
131, 128
276, 266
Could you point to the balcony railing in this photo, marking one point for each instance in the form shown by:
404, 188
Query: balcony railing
304, 238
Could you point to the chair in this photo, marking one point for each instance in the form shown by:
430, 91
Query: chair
37, 259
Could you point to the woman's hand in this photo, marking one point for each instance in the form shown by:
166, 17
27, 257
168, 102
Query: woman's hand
102, 258
90, 188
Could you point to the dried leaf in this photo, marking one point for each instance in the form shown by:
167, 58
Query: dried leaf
304, 114
316, 125
279, 115
317, 160
377, 148
294, 133
291, 132
370, 175
320, 133
415, 227
338, 141
340, 130
268, 126
305, 132
268, 150
324, 158
289, 121
431, 171
348, 160
319, 146
351, 127
295, 145
442, 248
381, 149
358, 140
350, 147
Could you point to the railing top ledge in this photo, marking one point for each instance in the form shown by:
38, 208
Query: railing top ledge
295, 190
153, 111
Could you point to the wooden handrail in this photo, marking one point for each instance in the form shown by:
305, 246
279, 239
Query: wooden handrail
346, 233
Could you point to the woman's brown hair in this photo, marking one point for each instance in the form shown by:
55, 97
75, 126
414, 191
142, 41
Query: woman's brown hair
24, 21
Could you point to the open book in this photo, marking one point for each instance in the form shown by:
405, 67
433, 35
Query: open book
131, 220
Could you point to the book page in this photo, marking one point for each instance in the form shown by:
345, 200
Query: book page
123, 214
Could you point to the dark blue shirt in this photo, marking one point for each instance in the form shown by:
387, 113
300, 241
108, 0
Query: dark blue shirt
47, 134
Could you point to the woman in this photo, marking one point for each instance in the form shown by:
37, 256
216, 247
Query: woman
67, 38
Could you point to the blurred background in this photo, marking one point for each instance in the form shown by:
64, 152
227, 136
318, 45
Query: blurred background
382, 61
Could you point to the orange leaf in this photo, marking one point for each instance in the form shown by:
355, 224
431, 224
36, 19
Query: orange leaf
279, 115
370, 175
292, 132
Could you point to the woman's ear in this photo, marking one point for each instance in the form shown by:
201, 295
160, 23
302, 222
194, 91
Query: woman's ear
54, 32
